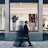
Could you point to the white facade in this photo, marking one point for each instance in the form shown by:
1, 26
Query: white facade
35, 35
10, 34
40, 4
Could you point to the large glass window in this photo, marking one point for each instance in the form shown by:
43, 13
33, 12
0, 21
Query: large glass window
21, 12
2, 17
45, 17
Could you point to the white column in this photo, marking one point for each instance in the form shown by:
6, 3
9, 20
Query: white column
40, 12
6, 16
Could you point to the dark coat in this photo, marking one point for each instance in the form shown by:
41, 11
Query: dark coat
26, 30
23, 33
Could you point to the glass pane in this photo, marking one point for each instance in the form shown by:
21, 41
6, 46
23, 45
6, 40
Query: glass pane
45, 16
2, 16
21, 12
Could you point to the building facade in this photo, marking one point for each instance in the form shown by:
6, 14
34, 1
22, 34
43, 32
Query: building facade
24, 10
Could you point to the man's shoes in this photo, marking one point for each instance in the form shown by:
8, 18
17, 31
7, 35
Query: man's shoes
20, 46
30, 45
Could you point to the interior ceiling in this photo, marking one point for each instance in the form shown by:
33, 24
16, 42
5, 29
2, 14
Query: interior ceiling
2, 5
45, 5
23, 5
27, 5
30, 6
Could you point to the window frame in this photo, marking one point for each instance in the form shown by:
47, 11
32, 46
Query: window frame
37, 15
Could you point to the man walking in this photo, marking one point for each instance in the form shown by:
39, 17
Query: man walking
25, 34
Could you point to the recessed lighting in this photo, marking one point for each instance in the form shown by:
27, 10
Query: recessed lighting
20, 3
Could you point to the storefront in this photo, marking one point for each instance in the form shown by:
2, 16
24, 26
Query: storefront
35, 12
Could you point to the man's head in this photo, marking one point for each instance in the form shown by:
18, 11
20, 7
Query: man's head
26, 22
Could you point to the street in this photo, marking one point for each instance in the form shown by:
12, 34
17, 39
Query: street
13, 44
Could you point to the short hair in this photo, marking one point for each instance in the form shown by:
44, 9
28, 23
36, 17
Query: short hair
26, 22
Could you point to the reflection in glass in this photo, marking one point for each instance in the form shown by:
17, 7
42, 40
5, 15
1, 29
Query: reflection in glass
2, 17
45, 17
24, 12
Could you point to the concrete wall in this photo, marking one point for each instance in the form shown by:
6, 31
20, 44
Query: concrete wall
2, 36
32, 36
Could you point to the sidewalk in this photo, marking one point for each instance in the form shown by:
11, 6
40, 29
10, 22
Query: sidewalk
36, 44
